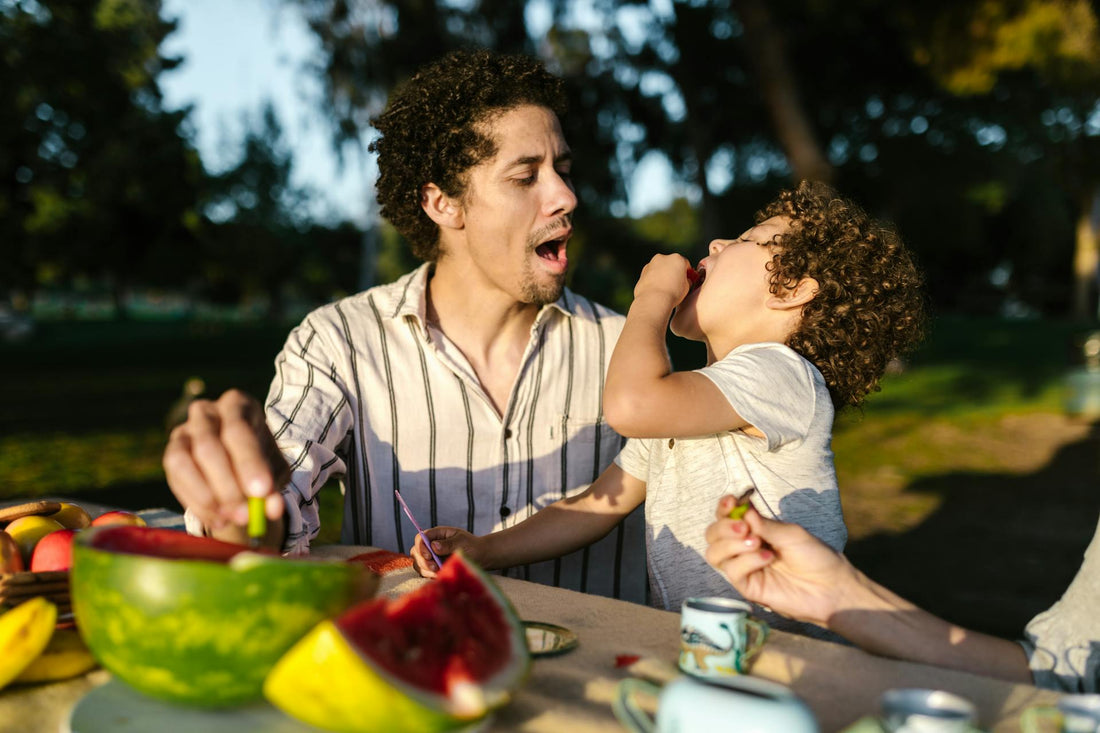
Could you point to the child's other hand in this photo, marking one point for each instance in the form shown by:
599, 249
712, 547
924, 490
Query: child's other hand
445, 540
666, 275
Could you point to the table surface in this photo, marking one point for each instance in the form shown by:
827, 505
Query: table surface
573, 691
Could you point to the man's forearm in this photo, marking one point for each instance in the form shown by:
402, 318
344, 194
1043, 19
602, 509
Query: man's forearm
882, 622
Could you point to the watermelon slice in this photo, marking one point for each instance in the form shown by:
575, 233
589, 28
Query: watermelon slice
438, 658
194, 620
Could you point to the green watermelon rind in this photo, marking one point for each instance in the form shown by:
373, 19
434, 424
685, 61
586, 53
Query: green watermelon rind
198, 632
326, 680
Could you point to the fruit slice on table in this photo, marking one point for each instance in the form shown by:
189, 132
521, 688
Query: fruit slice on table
65, 656
24, 632
194, 620
435, 659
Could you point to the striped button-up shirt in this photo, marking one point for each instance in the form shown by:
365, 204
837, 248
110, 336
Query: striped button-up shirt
368, 391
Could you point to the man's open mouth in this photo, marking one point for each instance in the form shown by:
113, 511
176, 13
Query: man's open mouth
553, 250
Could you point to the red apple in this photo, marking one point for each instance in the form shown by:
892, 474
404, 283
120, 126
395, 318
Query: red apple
11, 560
53, 552
27, 531
119, 516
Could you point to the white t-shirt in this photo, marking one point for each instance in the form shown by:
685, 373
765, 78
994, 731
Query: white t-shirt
783, 396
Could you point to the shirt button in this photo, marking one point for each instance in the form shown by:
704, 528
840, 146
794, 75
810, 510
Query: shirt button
507, 433
671, 442
505, 511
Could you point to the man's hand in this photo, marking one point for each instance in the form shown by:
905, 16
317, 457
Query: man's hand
223, 454
445, 540
778, 565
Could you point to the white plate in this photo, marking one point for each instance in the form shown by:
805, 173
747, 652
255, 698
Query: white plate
116, 708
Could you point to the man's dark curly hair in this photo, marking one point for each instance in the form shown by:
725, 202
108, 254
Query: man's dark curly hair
432, 131
869, 307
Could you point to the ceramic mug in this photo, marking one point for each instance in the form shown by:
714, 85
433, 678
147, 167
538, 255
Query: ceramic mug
913, 710
688, 704
717, 637
1072, 714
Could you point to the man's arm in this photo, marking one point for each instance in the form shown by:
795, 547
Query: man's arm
643, 397
784, 567
561, 528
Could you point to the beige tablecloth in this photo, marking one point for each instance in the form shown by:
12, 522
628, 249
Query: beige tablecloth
573, 692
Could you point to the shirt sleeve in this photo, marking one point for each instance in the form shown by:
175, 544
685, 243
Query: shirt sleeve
1063, 643
771, 387
634, 458
309, 415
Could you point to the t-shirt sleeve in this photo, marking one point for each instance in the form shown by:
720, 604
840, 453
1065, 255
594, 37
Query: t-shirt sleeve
634, 458
771, 387
1062, 644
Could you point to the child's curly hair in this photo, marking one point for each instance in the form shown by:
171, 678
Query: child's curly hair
432, 131
869, 307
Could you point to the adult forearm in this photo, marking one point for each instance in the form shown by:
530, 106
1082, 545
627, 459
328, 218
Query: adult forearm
882, 622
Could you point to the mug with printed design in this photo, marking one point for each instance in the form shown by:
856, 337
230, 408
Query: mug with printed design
718, 638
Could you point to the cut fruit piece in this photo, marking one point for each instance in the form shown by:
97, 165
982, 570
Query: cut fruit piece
435, 659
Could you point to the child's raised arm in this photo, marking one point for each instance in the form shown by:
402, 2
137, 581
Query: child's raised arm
643, 397
561, 528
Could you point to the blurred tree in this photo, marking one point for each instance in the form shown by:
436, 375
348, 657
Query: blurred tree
918, 108
96, 179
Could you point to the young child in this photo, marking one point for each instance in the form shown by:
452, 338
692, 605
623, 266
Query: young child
800, 314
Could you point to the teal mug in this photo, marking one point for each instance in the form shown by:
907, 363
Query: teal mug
1072, 714
734, 704
718, 639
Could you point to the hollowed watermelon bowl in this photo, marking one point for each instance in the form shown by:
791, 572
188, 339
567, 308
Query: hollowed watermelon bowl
198, 621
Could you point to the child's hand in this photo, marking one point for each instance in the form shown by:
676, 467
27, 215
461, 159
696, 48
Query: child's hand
445, 540
670, 275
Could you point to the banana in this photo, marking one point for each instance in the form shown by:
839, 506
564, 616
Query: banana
24, 632
64, 657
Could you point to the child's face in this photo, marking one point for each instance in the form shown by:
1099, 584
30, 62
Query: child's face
730, 302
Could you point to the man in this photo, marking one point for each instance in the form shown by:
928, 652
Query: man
783, 567
473, 384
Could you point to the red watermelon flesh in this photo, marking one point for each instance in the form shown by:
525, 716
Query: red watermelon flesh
446, 633
167, 543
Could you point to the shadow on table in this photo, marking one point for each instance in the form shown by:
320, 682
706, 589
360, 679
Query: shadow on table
1000, 548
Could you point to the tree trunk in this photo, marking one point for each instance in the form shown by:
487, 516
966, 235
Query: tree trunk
767, 52
1085, 256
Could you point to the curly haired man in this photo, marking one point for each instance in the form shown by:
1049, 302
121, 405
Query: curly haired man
799, 314
473, 385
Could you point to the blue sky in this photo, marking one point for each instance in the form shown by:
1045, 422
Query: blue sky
238, 54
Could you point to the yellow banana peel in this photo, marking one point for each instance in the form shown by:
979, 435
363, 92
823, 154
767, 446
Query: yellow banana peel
24, 632
65, 656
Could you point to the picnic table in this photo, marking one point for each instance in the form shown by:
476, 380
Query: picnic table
569, 692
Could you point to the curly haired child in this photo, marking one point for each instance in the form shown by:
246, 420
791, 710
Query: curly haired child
800, 315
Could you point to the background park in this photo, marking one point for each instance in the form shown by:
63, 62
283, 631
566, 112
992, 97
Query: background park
131, 263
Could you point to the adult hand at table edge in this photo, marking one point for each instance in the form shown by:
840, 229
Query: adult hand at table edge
780, 565
445, 541
222, 454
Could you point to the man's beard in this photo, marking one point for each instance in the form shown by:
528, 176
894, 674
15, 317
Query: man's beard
541, 292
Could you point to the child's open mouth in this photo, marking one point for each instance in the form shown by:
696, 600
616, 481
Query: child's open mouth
696, 276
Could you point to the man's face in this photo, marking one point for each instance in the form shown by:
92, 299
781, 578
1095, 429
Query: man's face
518, 207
